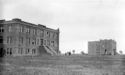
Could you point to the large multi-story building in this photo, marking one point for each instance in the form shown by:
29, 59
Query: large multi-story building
102, 47
20, 38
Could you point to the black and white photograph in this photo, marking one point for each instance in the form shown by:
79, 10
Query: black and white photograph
62, 37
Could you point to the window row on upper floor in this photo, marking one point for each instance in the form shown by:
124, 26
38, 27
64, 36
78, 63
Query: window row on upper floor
48, 34
28, 41
21, 51
24, 29
22, 40
32, 31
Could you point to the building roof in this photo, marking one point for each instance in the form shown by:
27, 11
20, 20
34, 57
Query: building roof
17, 20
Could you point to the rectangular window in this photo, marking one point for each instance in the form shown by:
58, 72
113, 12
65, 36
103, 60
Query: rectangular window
9, 39
37, 41
52, 42
44, 42
17, 28
48, 42
41, 41
21, 29
34, 41
53, 35
47, 33
1, 39
1, 29
27, 50
38, 32
28, 30
20, 51
33, 51
10, 28
34, 31
21, 40
7, 52
28, 40
42, 33
10, 51
25, 29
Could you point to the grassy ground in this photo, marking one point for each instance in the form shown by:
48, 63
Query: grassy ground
63, 65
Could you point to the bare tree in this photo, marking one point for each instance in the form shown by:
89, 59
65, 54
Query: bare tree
120, 52
73, 51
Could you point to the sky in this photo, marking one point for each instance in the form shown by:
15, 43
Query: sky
79, 21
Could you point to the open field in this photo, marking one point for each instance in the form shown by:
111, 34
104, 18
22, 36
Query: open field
63, 65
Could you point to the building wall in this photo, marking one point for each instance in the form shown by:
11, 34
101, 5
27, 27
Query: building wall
92, 47
102, 47
23, 38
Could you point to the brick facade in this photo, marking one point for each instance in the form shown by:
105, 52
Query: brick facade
102, 47
20, 38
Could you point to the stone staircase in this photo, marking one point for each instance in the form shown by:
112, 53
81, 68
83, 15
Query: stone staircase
43, 50
47, 50
52, 50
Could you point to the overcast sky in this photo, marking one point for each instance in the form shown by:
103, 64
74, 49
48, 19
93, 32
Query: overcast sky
79, 21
